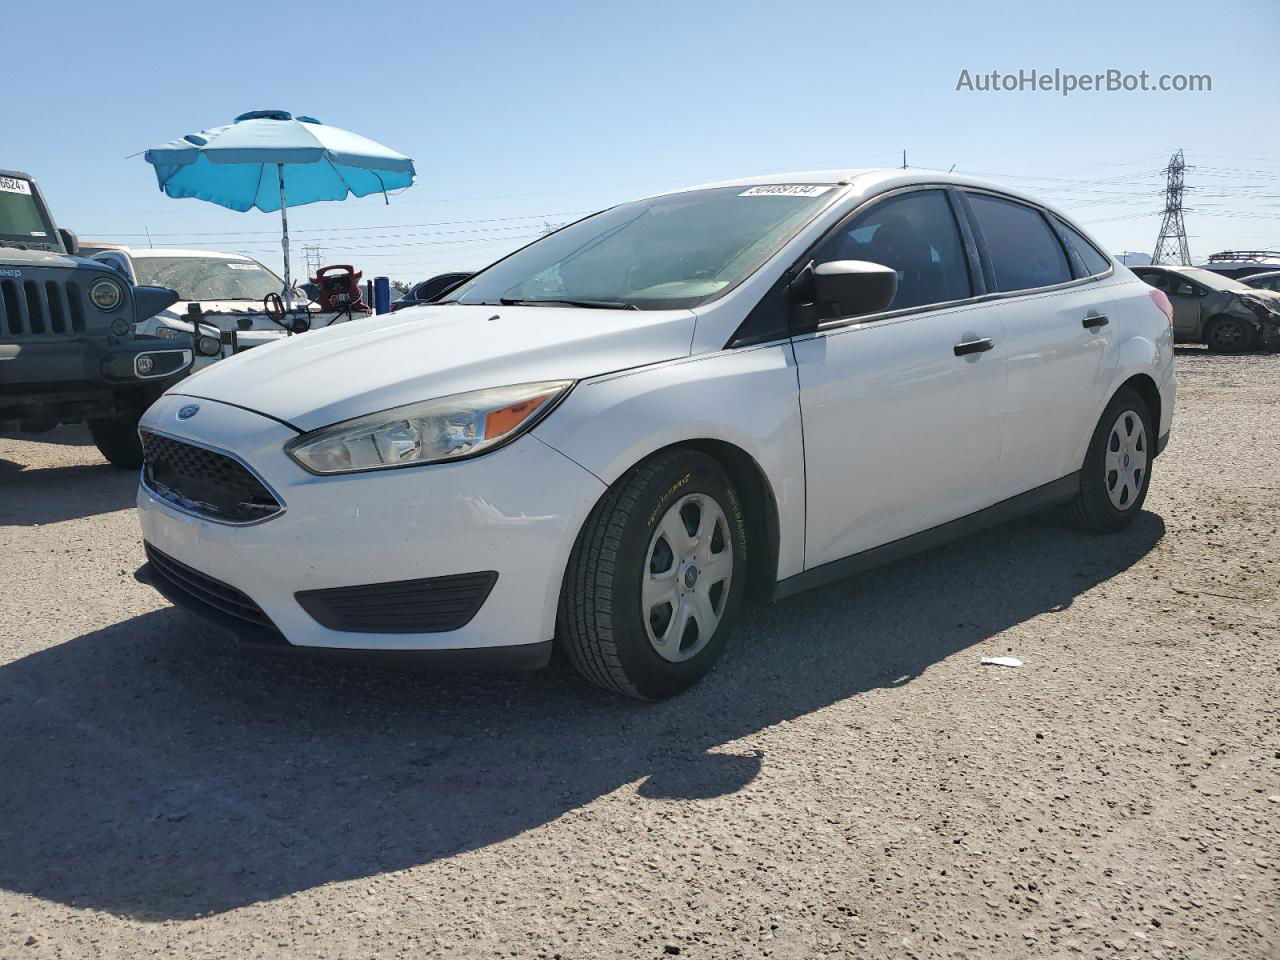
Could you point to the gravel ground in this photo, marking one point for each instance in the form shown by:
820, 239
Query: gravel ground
848, 781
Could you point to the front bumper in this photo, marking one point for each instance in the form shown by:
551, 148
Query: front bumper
528, 656
515, 512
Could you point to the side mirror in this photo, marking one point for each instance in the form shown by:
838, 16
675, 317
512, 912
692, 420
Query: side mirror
70, 241
853, 287
148, 301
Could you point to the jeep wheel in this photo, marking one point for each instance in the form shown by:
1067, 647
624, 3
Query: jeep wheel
117, 440
1228, 335
656, 577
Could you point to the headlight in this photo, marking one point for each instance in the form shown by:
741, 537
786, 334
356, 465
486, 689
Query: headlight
169, 333
106, 294
450, 428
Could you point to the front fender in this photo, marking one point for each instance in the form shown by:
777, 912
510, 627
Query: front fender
748, 398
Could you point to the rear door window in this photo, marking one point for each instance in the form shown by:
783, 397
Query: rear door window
1023, 249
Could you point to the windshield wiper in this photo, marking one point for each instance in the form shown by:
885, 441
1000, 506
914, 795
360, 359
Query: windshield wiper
590, 304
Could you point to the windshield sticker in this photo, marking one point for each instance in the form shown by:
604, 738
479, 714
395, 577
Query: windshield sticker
12, 185
243, 266
787, 190
38, 233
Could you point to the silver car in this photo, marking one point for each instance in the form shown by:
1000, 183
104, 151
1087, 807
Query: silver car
1217, 311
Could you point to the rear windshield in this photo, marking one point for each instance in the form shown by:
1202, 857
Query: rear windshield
20, 218
208, 278
668, 252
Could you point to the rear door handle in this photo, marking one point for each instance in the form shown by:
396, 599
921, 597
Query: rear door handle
974, 346
1095, 320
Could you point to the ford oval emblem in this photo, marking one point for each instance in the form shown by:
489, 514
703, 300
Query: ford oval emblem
189, 411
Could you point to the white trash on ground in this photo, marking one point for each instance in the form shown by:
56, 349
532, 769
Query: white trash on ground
1001, 662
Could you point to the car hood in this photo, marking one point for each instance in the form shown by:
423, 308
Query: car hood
351, 369
1270, 297
226, 314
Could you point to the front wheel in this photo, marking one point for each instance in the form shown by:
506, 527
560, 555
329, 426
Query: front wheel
656, 577
118, 441
1117, 467
1228, 335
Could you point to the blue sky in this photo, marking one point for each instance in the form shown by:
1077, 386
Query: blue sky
520, 113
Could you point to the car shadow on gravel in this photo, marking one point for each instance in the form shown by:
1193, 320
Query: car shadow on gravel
51, 494
150, 771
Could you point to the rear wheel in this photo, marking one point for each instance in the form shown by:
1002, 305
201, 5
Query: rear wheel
656, 578
117, 440
1228, 335
1117, 467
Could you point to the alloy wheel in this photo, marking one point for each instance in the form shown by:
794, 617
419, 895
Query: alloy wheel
1229, 335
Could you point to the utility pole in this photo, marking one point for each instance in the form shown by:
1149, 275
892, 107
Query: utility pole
904, 159
1172, 240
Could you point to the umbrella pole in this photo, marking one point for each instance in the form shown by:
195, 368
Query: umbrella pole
284, 242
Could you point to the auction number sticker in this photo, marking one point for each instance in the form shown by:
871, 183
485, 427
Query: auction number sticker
11, 185
243, 266
787, 190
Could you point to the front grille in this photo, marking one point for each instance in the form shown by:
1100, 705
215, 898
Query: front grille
431, 605
204, 482
221, 596
29, 309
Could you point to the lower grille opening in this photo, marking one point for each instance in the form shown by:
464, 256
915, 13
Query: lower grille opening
221, 596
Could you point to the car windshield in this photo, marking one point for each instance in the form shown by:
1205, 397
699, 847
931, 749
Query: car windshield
674, 251
208, 278
20, 218
1215, 280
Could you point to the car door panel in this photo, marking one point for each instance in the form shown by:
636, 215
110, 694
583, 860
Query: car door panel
901, 434
1057, 364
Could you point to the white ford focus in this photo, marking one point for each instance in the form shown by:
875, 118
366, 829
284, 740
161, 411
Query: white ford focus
611, 438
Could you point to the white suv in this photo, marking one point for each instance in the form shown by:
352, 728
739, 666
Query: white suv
615, 435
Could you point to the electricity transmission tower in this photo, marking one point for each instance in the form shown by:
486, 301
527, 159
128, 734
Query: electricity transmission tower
315, 258
1172, 241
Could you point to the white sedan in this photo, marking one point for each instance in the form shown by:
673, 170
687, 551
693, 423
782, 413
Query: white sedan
614, 436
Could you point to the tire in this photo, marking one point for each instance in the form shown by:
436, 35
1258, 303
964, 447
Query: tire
630, 554
117, 440
1110, 494
1228, 335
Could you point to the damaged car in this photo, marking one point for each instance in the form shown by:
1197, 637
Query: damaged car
1224, 314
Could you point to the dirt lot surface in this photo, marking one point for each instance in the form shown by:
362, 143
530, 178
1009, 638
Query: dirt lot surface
849, 781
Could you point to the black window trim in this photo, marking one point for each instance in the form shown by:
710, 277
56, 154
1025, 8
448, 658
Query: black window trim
981, 278
1060, 225
1047, 216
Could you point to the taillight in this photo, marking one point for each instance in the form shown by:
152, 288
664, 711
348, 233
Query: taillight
1162, 301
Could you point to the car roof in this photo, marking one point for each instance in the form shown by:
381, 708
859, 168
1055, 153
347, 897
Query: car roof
865, 180
1260, 276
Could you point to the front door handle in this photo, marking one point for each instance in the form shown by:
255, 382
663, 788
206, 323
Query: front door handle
974, 346
1095, 320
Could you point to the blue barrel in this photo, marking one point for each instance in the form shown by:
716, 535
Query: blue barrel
381, 295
